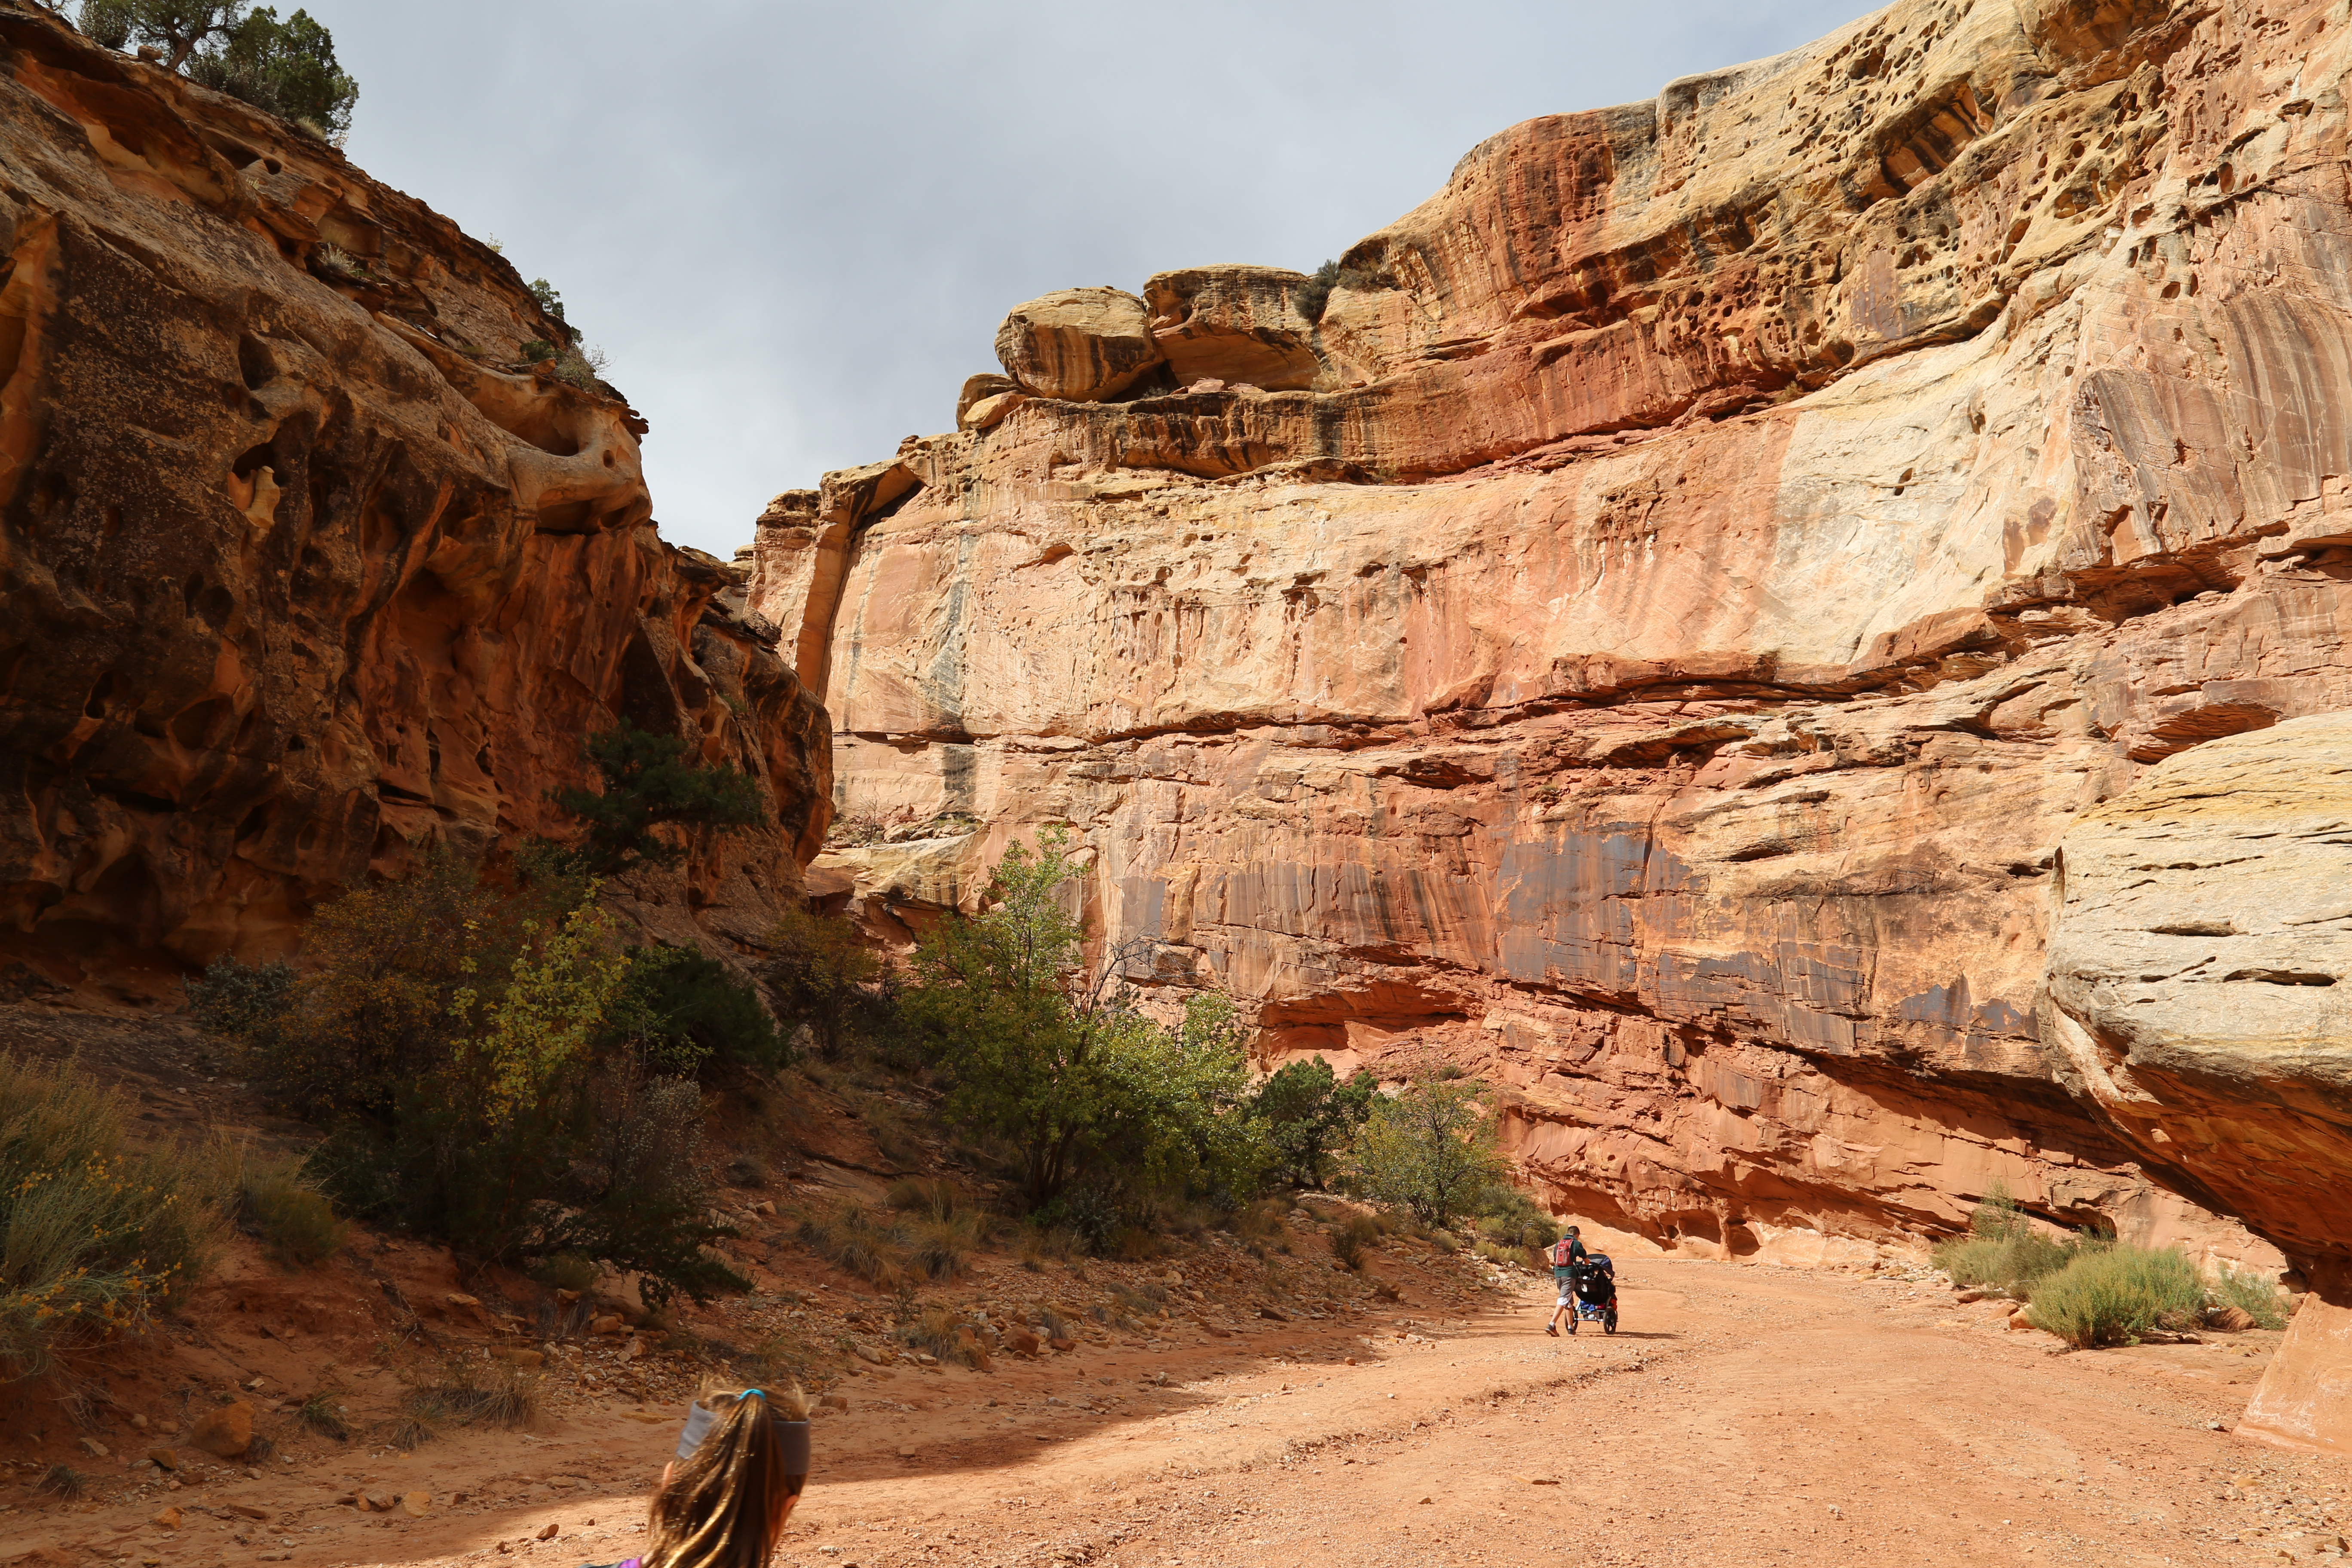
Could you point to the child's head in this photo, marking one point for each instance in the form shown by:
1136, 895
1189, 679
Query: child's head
725, 1506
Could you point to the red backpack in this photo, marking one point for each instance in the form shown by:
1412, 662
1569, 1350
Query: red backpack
1560, 1255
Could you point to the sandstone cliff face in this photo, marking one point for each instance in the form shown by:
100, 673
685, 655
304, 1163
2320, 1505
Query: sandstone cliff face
2197, 994
1730, 544
300, 568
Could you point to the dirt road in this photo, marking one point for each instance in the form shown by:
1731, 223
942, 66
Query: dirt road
1743, 1415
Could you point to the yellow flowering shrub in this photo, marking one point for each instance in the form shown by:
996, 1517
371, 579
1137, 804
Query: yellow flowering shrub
93, 1240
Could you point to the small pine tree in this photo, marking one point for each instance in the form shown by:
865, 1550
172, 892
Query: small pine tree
649, 785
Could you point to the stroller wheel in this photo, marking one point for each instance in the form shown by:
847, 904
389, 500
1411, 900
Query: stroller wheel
1609, 1323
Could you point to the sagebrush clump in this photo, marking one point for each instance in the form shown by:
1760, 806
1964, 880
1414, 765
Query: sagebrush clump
94, 1241
852, 1239
2251, 1293
1348, 1240
270, 1198
2114, 1294
2004, 1250
1314, 296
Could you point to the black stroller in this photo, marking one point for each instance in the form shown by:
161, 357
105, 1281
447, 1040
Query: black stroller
1593, 1286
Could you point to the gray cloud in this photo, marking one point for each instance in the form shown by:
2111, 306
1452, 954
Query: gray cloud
794, 227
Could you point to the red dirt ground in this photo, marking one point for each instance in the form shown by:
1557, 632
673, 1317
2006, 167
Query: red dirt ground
1745, 1414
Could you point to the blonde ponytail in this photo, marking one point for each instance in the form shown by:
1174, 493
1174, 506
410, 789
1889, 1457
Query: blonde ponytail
725, 1505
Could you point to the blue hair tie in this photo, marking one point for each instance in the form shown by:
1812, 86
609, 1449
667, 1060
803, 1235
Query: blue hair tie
760, 1392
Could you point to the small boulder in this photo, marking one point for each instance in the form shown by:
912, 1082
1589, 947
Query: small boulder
224, 1433
610, 1323
169, 1519
163, 1458
95, 1449
977, 390
1058, 1344
990, 411
1964, 1297
547, 1534
1080, 345
416, 1505
832, 1402
2231, 1320
2019, 1320
1022, 1343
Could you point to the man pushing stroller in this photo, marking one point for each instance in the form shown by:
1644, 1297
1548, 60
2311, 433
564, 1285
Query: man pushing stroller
1587, 1285
1567, 1256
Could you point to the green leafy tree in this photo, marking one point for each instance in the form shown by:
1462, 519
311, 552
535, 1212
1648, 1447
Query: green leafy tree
1057, 1062
373, 1017
1177, 1116
820, 972
650, 787
1429, 1150
1310, 1116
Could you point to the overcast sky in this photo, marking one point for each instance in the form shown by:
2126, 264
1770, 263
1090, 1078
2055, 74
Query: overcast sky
794, 227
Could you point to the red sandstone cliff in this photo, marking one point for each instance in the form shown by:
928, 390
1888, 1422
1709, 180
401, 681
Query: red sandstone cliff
300, 569
1708, 560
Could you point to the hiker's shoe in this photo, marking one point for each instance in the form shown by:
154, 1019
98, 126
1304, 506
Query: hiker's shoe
1552, 1331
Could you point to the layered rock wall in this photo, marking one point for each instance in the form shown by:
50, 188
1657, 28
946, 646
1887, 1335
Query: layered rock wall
301, 567
1727, 546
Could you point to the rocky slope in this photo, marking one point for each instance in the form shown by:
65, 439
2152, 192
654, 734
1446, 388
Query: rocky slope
301, 566
1706, 561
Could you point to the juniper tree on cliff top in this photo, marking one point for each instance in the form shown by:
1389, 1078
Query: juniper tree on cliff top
288, 68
